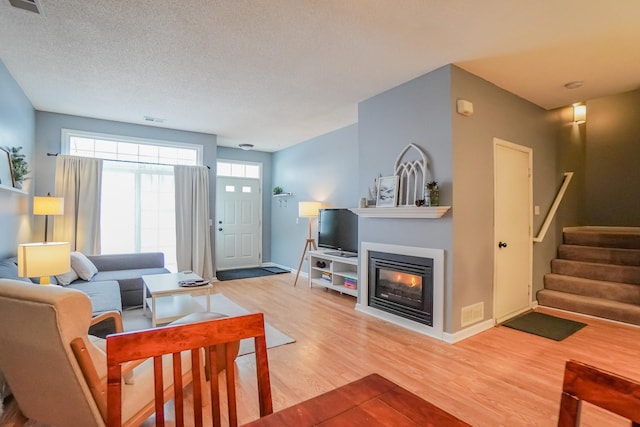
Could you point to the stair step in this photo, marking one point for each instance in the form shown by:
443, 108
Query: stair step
600, 255
621, 292
595, 271
614, 310
609, 237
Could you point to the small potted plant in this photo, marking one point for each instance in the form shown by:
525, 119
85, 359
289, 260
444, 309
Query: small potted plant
432, 194
277, 190
19, 166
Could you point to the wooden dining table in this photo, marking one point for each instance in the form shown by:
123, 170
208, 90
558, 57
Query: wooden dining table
369, 401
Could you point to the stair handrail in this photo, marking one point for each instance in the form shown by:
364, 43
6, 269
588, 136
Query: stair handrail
554, 207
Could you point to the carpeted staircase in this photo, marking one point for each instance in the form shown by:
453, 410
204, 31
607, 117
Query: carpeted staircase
597, 272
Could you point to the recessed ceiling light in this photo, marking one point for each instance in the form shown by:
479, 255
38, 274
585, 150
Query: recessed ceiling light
246, 147
574, 85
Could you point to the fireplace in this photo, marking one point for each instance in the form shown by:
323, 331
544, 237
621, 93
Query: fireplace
420, 311
401, 285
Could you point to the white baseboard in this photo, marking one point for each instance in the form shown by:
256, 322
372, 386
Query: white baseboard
468, 332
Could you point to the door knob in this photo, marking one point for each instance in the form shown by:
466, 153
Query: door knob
502, 245
220, 229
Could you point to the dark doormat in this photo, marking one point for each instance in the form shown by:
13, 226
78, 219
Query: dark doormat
246, 273
544, 325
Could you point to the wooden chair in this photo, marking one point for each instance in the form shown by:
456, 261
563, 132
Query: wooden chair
607, 390
189, 339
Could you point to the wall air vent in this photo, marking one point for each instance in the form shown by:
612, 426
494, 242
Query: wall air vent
154, 119
29, 5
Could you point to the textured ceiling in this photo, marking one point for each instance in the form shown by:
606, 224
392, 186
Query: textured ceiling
277, 72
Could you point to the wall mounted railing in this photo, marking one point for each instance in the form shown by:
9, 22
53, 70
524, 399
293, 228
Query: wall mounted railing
554, 207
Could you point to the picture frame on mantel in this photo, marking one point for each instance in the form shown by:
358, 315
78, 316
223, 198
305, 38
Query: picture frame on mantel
387, 192
6, 173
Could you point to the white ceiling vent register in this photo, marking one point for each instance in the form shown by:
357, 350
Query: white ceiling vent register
30, 5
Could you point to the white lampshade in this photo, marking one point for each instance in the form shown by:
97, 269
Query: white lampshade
48, 205
44, 260
308, 209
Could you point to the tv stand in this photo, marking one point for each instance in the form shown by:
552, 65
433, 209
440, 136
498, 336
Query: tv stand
338, 271
342, 254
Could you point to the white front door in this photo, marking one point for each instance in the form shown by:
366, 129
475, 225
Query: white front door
512, 228
238, 223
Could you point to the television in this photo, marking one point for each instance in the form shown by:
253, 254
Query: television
338, 229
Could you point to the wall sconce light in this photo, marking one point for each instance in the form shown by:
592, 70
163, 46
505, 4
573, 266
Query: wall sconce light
579, 113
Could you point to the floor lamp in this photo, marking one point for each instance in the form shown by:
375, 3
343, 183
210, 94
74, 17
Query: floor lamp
48, 205
309, 210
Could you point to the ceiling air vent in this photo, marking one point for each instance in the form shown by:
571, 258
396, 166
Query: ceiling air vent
30, 5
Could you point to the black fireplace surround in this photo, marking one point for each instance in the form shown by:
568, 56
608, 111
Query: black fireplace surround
401, 285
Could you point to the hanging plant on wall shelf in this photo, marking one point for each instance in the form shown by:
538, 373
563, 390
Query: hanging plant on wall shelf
277, 190
19, 166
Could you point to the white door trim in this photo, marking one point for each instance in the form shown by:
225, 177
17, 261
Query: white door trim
529, 151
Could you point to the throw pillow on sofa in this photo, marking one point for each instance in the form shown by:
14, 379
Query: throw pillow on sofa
83, 267
67, 278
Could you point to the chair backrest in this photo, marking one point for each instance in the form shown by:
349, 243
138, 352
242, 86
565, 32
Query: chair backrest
154, 343
37, 325
607, 390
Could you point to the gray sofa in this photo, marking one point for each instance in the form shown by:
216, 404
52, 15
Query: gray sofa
117, 284
127, 270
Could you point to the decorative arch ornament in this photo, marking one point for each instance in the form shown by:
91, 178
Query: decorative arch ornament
412, 176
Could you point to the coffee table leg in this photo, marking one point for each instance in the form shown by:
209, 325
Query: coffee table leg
208, 295
153, 311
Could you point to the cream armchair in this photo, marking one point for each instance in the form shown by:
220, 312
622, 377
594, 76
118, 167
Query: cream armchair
50, 384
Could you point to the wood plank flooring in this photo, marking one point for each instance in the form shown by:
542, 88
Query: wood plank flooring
501, 377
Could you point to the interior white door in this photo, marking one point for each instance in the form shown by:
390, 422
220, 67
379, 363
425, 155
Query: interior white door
512, 228
238, 223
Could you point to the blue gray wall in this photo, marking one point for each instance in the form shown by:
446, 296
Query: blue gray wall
324, 169
415, 112
17, 126
227, 153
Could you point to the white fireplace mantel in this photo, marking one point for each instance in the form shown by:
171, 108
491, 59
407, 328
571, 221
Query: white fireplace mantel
402, 212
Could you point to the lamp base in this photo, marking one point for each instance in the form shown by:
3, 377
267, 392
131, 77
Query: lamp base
45, 280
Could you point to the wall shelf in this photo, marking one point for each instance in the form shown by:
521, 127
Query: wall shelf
15, 190
289, 194
402, 212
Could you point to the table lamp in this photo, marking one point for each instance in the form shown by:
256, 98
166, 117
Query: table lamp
44, 260
309, 210
48, 205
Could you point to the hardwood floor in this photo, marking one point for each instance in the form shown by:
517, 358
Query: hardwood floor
501, 377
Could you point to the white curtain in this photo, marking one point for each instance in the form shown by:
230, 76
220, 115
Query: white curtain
193, 242
79, 181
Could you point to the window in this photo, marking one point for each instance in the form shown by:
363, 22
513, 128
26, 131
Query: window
138, 201
238, 170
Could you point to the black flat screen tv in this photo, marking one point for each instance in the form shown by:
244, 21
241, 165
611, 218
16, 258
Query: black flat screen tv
338, 229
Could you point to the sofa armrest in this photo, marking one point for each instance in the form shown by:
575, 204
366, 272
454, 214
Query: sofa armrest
133, 261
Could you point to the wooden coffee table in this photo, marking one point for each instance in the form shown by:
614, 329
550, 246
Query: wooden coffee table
168, 301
